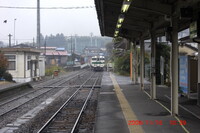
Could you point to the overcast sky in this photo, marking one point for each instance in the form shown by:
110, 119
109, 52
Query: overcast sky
53, 21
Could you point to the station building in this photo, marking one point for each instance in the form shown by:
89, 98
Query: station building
25, 63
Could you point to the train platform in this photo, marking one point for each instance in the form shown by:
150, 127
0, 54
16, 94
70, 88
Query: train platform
9, 86
124, 108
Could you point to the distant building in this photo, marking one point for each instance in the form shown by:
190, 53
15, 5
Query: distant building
186, 49
55, 56
25, 62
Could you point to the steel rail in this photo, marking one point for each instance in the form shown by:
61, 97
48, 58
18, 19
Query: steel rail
40, 87
68, 100
84, 106
50, 82
31, 99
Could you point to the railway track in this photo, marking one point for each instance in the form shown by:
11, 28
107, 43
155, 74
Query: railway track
14, 103
67, 117
60, 80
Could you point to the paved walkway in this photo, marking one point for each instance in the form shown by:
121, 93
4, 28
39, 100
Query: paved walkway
124, 108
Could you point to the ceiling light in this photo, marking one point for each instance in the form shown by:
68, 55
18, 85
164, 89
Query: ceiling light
116, 32
125, 8
119, 25
120, 20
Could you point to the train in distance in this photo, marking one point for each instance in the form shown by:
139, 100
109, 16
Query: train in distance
97, 63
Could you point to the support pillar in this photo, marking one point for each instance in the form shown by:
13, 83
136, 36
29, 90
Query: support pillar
174, 67
153, 65
142, 64
134, 63
198, 89
131, 60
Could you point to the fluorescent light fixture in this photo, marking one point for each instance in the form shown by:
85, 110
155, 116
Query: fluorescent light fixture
120, 20
119, 25
125, 8
115, 34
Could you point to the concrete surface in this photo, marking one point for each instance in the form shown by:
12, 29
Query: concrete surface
154, 117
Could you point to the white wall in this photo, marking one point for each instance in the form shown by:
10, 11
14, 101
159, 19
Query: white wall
22, 65
18, 72
42, 65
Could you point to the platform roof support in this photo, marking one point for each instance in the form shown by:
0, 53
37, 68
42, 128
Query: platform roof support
198, 89
142, 64
153, 65
134, 62
131, 61
174, 67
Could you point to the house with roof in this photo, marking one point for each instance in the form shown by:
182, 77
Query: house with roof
24, 62
186, 49
55, 56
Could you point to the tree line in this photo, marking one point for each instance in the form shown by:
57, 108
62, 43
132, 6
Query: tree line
77, 43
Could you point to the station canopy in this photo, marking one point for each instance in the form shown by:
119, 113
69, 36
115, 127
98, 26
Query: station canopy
134, 19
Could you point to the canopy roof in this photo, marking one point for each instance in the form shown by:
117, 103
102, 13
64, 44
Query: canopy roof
144, 16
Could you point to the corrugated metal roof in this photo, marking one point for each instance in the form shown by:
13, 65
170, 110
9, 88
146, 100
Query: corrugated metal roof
60, 49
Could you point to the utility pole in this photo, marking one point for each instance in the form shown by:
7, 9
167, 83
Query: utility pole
74, 45
33, 42
14, 31
9, 40
38, 24
91, 34
96, 42
45, 47
71, 50
75, 42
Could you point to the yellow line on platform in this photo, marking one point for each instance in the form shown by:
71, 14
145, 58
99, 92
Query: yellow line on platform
126, 108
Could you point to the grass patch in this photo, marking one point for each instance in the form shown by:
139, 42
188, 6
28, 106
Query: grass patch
50, 70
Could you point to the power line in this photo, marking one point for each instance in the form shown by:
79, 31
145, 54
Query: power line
78, 7
16, 39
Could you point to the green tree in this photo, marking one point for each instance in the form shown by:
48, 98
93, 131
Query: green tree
163, 50
3, 64
109, 47
122, 62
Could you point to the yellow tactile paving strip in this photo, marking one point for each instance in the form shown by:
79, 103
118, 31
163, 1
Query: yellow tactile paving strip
126, 108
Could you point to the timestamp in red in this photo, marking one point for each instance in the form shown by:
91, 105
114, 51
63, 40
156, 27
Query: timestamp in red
156, 122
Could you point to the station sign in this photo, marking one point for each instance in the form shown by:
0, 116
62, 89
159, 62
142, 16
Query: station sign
195, 29
183, 74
